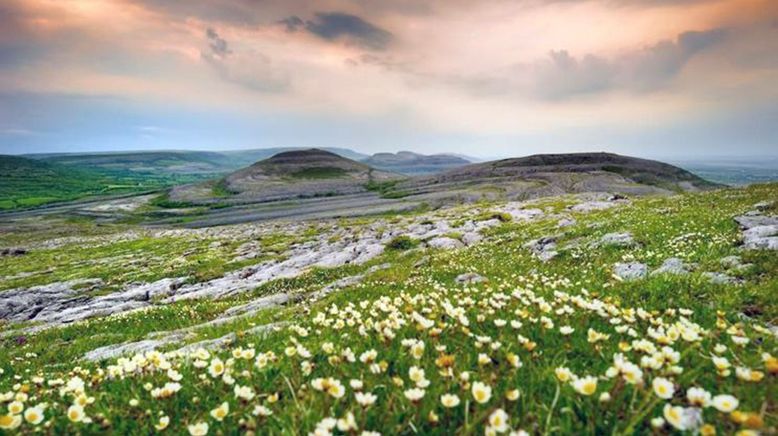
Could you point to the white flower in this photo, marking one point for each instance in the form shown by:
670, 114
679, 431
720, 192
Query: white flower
698, 397
199, 429
34, 415
566, 330
414, 394
365, 398
481, 392
725, 403
449, 400
585, 385
245, 393
663, 388
498, 421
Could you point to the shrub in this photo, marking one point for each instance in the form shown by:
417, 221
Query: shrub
402, 242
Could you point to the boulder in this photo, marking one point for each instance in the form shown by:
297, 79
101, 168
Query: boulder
674, 266
630, 271
623, 239
444, 243
469, 278
543, 248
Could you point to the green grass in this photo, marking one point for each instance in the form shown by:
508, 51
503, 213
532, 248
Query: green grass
575, 289
29, 183
319, 173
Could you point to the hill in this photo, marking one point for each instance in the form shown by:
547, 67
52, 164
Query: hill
553, 174
29, 183
287, 175
174, 164
406, 162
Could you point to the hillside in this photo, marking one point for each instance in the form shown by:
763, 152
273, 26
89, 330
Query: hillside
554, 174
409, 163
574, 314
290, 175
28, 183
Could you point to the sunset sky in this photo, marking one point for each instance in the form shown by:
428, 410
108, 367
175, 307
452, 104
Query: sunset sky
486, 78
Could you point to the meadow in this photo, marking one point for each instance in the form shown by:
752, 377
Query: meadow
561, 346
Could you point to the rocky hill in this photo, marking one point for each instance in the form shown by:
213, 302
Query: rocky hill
553, 174
289, 175
406, 162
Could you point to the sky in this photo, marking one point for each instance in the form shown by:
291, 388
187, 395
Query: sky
487, 78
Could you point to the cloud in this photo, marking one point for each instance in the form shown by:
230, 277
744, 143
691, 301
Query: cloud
651, 68
338, 26
250, 68
217, 44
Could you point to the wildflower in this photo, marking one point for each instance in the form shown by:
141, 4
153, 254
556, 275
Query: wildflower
245, 393
498, 421
658, 422
676, 417
481, 392
512, 395
199, 429
416, 374
449, 400
76, 413
10, 422
563, 374
216, 367
417, 350
34, 415
725, 403
163, 422
261, 410
698, 397
566, 330
348, 423
355, 384
663, 388
15, 407
221, 412
585, 385
605, 397
365, 399
514, 360
414, 394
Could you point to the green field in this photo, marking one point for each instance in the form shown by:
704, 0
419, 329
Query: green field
557, 347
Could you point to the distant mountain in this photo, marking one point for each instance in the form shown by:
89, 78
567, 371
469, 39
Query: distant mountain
291, 174
407, 162
197, 164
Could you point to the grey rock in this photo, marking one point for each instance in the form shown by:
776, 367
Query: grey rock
630, 271
566, 222
131, 348
590, 206
718, 278
471, 238
750, 221
543, 248
623, 239
469, 278
444, 243
763, 205
761, 237
673, 266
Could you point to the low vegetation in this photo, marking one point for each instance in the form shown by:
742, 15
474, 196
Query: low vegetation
544, 347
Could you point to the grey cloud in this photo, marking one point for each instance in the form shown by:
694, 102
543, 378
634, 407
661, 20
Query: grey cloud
563, 76
251, 69
337, 26
292, 23
216, 43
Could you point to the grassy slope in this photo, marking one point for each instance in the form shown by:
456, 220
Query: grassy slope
697, 228
28, 183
